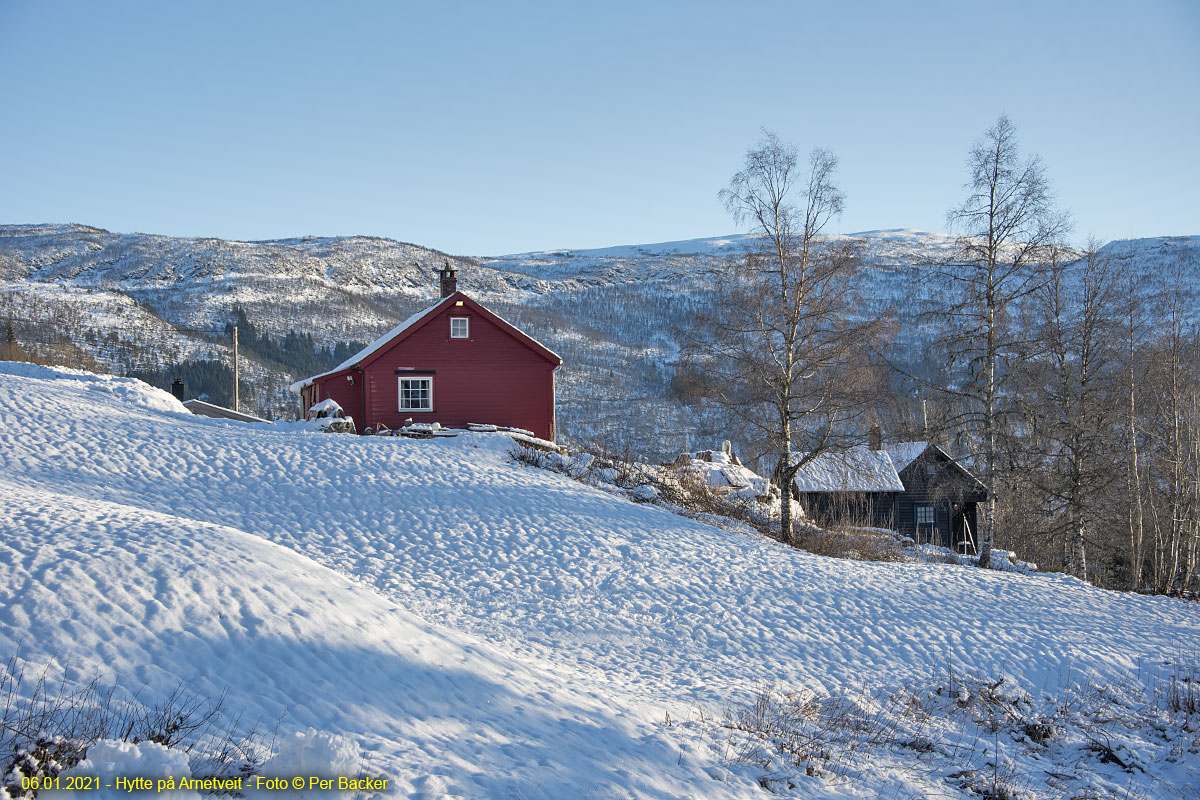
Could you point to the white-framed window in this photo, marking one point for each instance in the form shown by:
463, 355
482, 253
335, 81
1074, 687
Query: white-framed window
416, 394
925, 514
460, 327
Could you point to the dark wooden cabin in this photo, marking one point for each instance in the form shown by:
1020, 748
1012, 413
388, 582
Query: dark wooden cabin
913, 488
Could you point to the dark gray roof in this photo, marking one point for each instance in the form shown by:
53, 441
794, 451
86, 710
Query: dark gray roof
203, 409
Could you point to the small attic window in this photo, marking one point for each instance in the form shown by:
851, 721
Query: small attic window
459, 327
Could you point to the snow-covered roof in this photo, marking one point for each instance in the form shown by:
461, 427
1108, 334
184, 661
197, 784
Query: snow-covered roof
904, 453
859, 469
374, 346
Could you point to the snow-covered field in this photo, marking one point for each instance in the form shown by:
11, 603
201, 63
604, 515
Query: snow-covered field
479, 628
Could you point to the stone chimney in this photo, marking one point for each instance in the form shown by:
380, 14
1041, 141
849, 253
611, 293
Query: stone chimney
449, 277
178, 389
875, 437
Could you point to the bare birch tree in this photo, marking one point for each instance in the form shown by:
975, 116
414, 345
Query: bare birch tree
1133, 468
782, 351
1071, 400
1172, 364
1008, 226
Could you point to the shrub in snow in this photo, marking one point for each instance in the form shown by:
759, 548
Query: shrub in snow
855, 543
542, 459
109, 759
45, 734
972, 737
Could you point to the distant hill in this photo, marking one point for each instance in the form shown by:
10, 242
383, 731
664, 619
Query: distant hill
145, 303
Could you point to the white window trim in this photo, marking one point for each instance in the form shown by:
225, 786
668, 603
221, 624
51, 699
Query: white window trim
466, 325
932, 511
400, 392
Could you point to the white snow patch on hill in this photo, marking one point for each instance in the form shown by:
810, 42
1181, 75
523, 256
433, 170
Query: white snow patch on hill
481, 628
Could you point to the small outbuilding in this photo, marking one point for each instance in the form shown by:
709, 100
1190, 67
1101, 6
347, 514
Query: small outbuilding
455, 363
203, 409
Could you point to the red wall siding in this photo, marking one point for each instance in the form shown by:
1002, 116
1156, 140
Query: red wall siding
489, 377
347, 395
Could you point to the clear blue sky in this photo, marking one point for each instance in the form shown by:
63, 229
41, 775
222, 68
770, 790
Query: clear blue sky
491, 127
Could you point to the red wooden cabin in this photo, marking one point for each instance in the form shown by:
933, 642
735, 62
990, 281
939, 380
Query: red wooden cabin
454, 363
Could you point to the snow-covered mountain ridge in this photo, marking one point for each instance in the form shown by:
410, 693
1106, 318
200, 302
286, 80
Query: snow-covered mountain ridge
382, 269
895, 246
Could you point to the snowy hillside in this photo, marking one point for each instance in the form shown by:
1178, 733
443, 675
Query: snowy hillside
480, 628
195, 282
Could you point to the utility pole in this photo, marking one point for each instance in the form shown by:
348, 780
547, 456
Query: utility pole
235, 369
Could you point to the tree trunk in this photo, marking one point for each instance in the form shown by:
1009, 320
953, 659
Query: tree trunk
786, 474
1137, 531
1081, 551
786, 534
988, 534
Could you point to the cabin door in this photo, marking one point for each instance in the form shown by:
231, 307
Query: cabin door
963, 531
